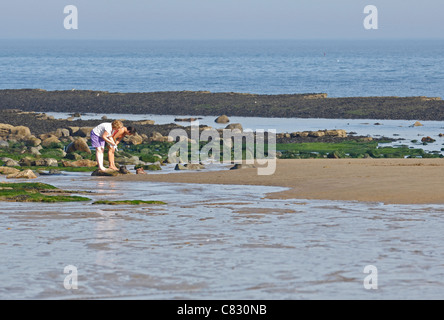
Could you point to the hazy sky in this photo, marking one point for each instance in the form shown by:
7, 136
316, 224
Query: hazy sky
221, 19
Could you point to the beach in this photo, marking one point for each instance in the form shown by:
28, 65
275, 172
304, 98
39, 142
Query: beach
391, 181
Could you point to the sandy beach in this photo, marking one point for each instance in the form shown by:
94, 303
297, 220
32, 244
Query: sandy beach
391, 181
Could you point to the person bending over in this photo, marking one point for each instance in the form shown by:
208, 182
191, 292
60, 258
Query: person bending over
118, 135
101, 135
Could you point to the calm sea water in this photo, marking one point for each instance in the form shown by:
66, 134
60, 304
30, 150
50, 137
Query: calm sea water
339, 68
217, 242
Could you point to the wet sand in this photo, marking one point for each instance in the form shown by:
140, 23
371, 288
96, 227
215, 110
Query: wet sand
390, 181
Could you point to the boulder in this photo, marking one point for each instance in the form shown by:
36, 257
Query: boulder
79, 163
8, 170
34, 151
46, 162
5, 129
21, 131
26, 162
134, 139
417, 124
4, 144
222, 119
427, 140
316, 134
25, 174
78, 145
11, 163
59, 133
49, 141
32, 141
124, 170
234, 126
84, 132
140, 171
106, 173
156, 136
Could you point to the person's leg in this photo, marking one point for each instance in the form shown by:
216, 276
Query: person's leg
99, 158
111, 152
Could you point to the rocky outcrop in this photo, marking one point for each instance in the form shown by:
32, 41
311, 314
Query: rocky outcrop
222, 119
78, 145
25, 174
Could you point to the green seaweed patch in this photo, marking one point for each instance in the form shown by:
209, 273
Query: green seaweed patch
35, 192
128, 202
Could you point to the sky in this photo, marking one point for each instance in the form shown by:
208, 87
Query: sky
221, 19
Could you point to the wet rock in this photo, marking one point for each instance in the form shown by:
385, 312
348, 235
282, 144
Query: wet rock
49, 141
79, 163
8, 170
26, 162
124, 170
242, 166
106, 173
140, 171
222, 119
11, 163
235, 126
25, 174
133, 140
427, 140
78, 145
33, 141
46, 162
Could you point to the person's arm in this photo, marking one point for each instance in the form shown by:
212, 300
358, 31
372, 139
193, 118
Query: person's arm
106, 136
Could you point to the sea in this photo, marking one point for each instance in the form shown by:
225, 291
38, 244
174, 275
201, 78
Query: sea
225, 242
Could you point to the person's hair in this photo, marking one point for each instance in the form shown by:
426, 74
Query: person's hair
131, 130
117, 124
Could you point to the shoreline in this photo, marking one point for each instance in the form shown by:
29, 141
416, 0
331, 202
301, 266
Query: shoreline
389, 181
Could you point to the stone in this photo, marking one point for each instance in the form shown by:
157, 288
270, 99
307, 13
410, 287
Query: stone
417, 124
134, 140
49, 141
25, 174
234, 126
222, 119
33, 141
84, 132
80, 163
5, 129
62, 133
140, 171
156, 136
78, 145
8, 170
11, 163
21, 131
4, 144
427, 140
26, 162
106, 173
34, 151
242, 166
124, 170
46, 162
